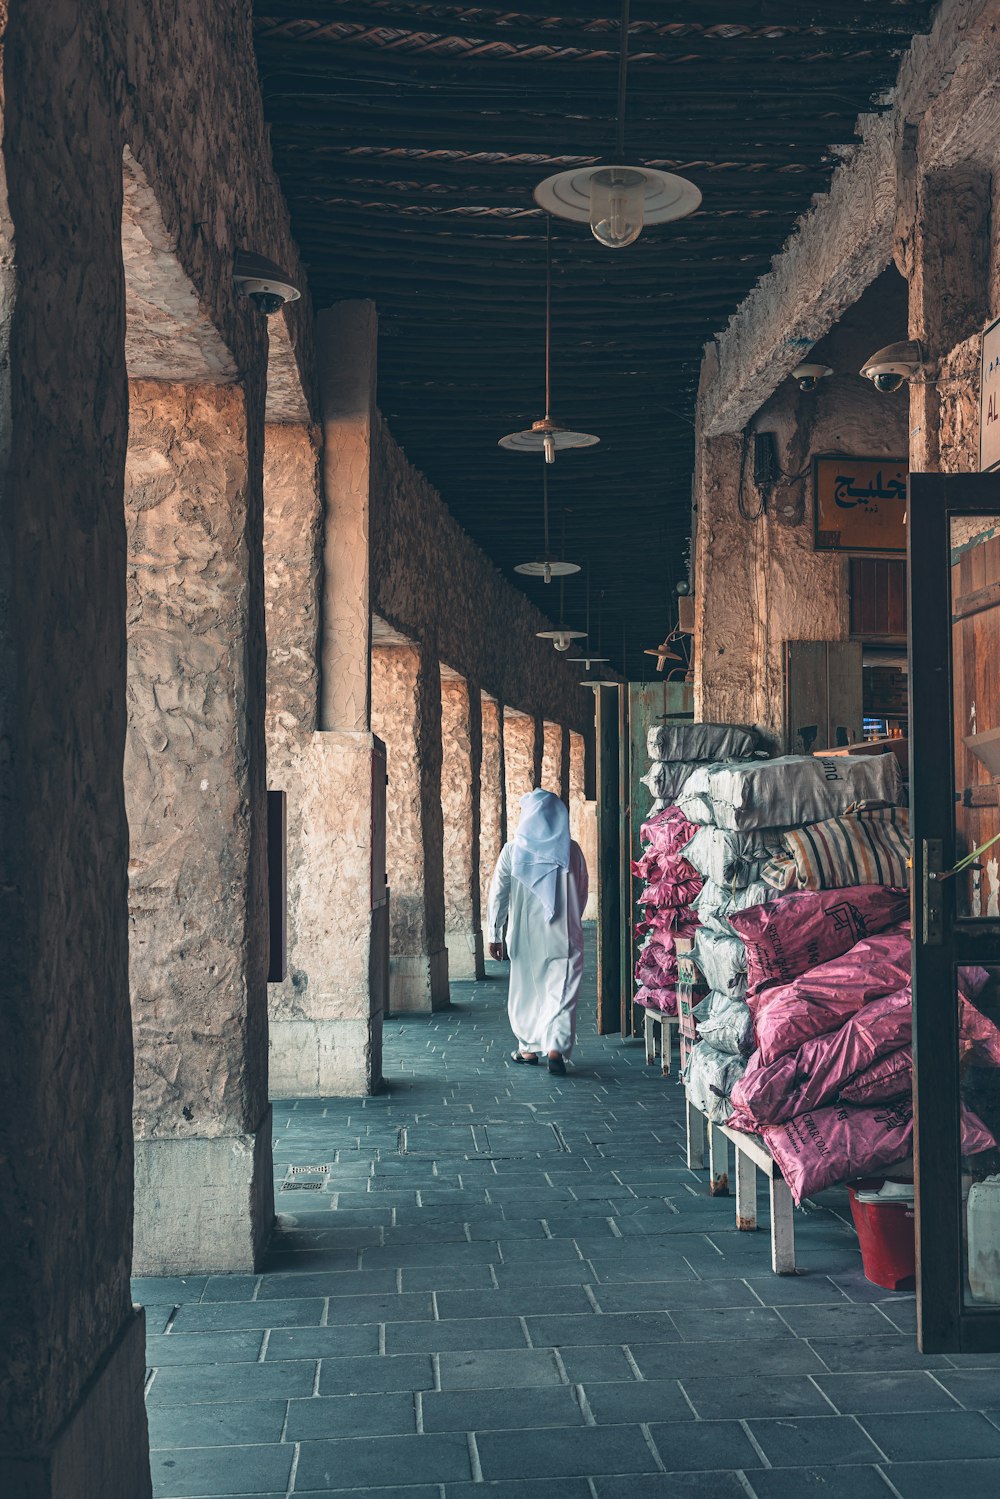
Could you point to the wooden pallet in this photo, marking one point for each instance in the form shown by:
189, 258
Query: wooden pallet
752, 1155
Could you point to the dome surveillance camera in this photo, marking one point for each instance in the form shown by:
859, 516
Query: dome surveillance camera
266, 284
890, 368
809, 375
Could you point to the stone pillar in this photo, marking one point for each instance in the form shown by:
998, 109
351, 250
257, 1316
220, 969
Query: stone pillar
551, 776
519, 760
462, 747
583, 816
492, 797
326, 1015
195, 793
406, 715
71, 1412
947, 254
564, 765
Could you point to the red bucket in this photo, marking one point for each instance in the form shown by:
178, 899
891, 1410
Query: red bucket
886, 1234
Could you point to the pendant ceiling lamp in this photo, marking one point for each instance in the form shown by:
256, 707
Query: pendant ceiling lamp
548, 567
618, 200
664, 652
562, 638
545, 435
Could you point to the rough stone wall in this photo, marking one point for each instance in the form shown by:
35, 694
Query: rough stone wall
406, 715
552, 757
519, 763
194, 763
293, 515
478, 623
66, 1160
492, 798
759, 582
577, 791
461, 740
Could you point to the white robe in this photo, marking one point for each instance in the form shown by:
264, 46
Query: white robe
546, 957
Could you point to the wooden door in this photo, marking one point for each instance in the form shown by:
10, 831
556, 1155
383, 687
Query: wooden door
609, 861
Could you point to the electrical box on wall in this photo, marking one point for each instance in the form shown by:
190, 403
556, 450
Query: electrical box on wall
765, 459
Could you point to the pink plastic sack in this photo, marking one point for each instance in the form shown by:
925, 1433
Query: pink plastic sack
799, 931
814, 1074
658, 999
889, 1077
667, 832
656, 965
818, 1149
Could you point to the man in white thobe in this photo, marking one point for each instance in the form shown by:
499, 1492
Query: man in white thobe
539, 891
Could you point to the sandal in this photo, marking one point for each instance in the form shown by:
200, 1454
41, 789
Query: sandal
524, 1061
557, 1066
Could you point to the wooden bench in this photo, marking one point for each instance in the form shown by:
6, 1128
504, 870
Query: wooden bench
667, 1025
752, 1155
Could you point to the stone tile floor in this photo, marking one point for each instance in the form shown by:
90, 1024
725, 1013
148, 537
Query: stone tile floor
491, 1282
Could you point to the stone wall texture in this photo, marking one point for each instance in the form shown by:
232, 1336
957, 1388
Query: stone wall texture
552, 757
492, 797
461, 739
519, 763
65, 1065
430, 581
194, 764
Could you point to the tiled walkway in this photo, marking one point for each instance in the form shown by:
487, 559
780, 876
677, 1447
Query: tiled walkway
490, 1277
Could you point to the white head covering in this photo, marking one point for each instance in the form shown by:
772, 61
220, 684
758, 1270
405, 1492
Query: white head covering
541, 846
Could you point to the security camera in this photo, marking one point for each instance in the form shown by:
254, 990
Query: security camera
809, 375
891, 367
266, 284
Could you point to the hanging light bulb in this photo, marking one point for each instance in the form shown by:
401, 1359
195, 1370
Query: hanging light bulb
562, 638
618, 200
617, 206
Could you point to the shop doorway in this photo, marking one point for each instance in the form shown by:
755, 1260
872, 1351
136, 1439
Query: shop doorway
954, 675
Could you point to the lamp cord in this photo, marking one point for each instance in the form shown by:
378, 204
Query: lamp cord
545, 508
548, 316
622, 81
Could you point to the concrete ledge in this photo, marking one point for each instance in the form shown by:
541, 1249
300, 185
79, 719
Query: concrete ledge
325, 1058
465, 955
418, 983
102, 1449
203, 1206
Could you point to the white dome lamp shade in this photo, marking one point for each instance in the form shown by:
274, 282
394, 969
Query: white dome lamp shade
562, 638
545, 435
615, 199
548, 567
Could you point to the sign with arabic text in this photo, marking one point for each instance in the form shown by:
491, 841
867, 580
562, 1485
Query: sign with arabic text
860, 504
989, 400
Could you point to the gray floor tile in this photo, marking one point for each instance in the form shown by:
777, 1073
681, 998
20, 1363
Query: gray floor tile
621, 1327
220, 1470
457, 1333
814, 1441
525, 1301
561, 1452
363, 1376
942, 1479
688, 1360
743, 1395
668, 1295
379, 1462
788, 1290
978, 1389
445, 1277
878, 1354
189, 1385
924, 1437
512, 1368
225, 1423
639, 1400
601, 1363
163, 1290
500, 1410
906, 1390
838, 1319
849, 1482
351, 1416
705, 1323
343, 1340
204, 1348
230, 1287
429, 1254
232, 1315
710, 1485
703, 1445
523, 1488
282, 1287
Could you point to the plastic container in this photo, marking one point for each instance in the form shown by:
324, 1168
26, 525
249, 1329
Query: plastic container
983, 1221
886, 1233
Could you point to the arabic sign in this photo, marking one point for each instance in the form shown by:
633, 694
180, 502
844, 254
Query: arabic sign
860, 504
989, 400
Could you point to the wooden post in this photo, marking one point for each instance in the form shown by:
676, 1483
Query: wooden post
609, 933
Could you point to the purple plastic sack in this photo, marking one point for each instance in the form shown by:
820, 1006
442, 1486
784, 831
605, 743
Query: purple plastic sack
799, 931
815, 1073
658, 999
818, 1149
889, 1077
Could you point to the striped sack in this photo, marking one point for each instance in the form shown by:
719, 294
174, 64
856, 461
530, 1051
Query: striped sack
859, 848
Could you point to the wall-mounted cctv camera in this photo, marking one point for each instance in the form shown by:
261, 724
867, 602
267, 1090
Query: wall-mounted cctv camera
809, 375
891, 367
265, 283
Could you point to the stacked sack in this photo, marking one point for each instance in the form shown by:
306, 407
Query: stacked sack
828, 1086
671, 885
746, 813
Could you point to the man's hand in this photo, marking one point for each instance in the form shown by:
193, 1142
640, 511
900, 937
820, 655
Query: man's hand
496, 951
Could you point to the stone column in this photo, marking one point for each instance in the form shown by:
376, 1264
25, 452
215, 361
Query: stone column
947, 254
71, 1411
326, 1015
406, 715
492, 797
195, 793
551, 778
577, 784
461, 745
519, 760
